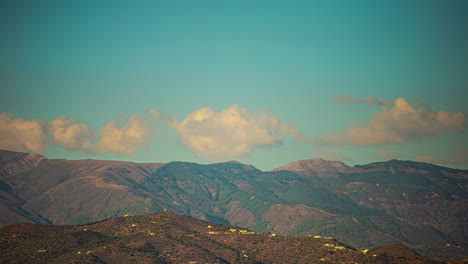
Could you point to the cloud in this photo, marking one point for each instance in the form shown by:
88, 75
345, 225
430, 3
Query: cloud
460, 157
125, 139
388, 154
366, 100
398, 122
346, 99
231, 133
377, 102
159, 115
35, 135
155, 113
22, 135
70, 135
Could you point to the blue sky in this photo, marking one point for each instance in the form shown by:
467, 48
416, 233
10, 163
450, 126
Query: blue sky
262, 82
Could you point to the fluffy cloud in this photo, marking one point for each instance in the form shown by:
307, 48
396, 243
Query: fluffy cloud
125, 139
230, 133
33, 135
460, 157
398, 122
22, 135
70, 135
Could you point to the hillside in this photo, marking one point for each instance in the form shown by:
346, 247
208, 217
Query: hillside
419, 205
166, 237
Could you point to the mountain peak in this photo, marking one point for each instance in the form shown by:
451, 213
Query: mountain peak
234, 164
231, 161
315, 167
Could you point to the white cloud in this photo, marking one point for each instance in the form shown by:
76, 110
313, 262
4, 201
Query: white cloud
125, 139
22, 135
398, 122
70, 135
231, 133
33, 135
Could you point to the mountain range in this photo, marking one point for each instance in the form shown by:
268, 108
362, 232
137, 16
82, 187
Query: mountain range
419, 205
166, 237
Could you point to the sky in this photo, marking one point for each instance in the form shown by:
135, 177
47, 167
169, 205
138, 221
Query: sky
261, 82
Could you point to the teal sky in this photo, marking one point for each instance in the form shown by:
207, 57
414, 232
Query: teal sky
298, 72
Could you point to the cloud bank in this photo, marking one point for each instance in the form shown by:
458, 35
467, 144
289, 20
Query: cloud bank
235, 132
231, 133
398, 122
35, 135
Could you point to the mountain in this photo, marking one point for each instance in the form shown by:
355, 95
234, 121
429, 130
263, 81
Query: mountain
419, 205
166, 237
316, 167
65, 191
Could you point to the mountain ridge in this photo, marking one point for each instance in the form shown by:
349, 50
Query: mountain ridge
313, 161
417, 204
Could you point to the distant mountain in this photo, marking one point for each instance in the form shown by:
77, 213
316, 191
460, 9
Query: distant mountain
316, 167
166, 237
419, 205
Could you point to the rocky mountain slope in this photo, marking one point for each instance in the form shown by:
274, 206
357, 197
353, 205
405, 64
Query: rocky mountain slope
166, 237
419, 205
